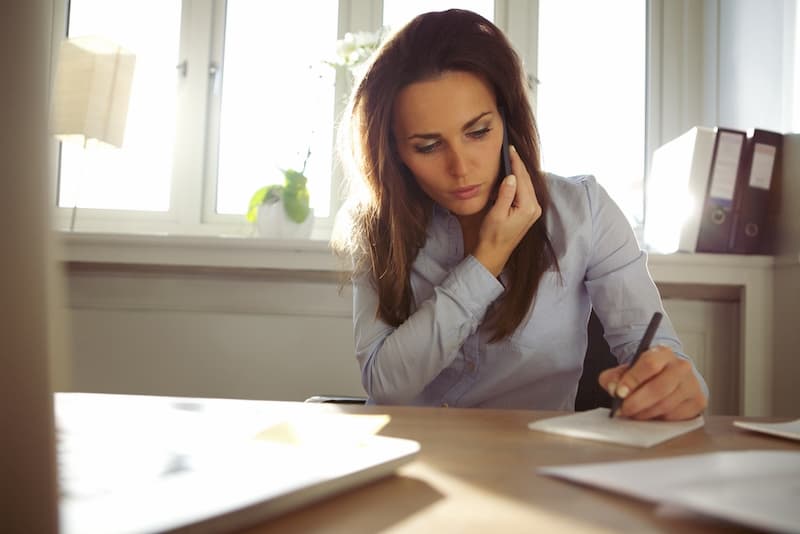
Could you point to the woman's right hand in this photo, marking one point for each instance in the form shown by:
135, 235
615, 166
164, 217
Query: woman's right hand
507, 222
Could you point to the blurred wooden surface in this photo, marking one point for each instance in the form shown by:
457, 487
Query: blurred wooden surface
476, 473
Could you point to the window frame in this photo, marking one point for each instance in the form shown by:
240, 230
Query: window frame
183, 217
193, 190
354, 15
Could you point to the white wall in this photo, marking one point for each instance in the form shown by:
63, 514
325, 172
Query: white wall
258, 336
278, 336
731, 63
753, 42
787, 344
787, 283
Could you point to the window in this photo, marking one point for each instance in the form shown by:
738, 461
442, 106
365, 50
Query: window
277, 100
591, 94
227, 93
138, 177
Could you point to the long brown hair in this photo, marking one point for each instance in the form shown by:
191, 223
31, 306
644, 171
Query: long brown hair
387, 223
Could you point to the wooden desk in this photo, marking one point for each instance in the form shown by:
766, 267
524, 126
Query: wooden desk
475, 473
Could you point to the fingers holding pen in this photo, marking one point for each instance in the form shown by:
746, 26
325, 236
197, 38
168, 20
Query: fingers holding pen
661, 385
652, 362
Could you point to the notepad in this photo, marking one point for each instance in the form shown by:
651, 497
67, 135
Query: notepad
755, 488
789, 429
596, 425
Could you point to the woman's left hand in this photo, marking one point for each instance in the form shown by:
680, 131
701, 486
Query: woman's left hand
661, 385
509, 219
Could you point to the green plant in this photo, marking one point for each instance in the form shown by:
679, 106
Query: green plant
293, 193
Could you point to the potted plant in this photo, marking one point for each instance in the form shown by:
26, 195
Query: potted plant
282, 210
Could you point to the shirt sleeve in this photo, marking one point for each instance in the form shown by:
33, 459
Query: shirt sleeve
621, 289
398, 363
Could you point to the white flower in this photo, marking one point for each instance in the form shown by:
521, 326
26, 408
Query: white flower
356, 47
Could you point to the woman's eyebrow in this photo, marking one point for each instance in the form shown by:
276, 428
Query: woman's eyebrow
469, 124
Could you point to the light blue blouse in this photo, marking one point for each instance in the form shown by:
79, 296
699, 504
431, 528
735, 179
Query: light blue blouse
441, 355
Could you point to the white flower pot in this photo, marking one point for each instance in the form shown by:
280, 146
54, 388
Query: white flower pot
273, 223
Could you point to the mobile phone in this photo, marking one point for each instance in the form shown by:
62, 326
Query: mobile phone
505, 155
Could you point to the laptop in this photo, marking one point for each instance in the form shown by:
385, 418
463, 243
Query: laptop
131, 464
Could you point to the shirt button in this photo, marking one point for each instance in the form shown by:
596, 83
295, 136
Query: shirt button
470, 366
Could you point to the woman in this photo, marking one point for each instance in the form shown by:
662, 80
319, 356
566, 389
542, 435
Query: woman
473, 288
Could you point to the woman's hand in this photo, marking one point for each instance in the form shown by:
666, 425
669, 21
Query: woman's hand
507, 222
661, 385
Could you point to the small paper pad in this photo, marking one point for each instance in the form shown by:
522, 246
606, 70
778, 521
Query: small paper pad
596, 425
788, 429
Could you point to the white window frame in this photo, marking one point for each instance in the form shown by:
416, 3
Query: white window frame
192, 206
354, 15
186, 207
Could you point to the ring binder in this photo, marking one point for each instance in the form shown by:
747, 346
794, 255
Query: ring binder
717, 216
750, 233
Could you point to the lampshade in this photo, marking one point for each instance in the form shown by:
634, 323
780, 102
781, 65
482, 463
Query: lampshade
91, 91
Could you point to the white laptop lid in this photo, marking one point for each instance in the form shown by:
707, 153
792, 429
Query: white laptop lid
151, 464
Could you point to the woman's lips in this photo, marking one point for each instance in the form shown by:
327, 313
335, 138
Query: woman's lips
466, 193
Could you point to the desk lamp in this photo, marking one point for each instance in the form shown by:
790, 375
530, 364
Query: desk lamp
91, 95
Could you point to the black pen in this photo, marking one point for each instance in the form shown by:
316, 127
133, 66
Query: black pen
643, 346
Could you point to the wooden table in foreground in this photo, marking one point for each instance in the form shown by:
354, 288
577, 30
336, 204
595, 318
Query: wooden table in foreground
476, 473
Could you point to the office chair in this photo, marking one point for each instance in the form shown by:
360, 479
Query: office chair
589, 396
598, 358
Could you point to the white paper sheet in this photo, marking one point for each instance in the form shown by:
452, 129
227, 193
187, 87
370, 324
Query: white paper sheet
789, 429
596, 425
755, 488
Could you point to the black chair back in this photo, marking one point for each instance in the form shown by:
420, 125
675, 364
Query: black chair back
598, 358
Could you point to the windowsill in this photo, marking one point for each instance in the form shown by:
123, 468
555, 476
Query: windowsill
237, 252
194, 251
